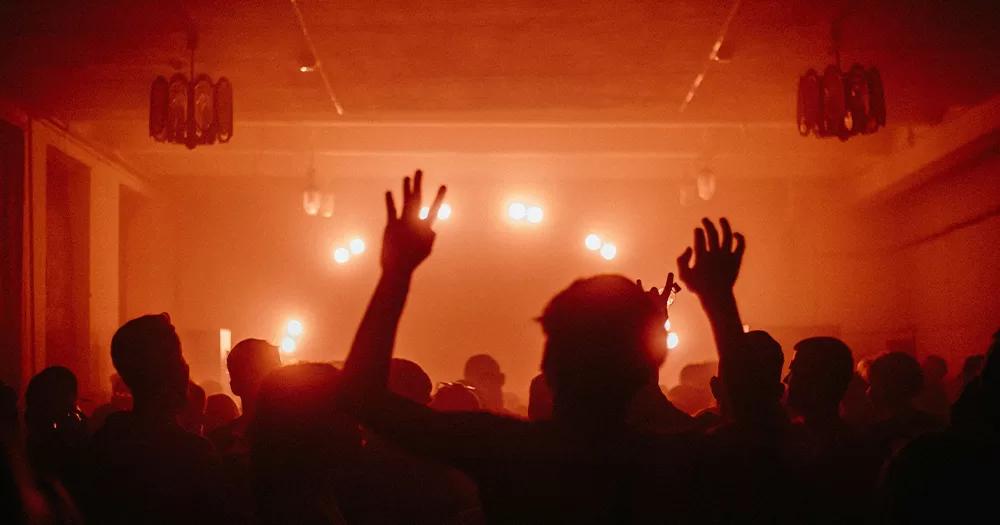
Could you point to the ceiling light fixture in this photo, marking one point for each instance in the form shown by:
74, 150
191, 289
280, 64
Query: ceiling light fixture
191, 111
839, 104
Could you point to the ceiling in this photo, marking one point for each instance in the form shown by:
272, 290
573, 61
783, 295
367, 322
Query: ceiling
533, 62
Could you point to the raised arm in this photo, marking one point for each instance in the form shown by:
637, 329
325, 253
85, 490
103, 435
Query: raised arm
406, 243
716, 266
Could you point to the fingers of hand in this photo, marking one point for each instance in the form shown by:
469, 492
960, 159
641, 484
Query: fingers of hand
740, 247
438, 201
390, 206
418, 179
727, 235
699, 244
713, 234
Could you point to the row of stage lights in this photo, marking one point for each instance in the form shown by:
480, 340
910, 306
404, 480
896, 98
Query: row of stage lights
518, 212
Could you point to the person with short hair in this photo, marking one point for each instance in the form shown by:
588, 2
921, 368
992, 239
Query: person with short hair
143, 467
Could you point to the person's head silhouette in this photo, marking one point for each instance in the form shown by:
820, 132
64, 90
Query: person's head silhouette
302, 446
409, 380
970, 368
455, 397
749, 386
220, 409
249, 362
935, 369
146, 353
818, 376
50, 396
192, 418
894, 380
604, 342
482, 371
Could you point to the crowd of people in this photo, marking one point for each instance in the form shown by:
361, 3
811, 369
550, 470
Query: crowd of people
372, 441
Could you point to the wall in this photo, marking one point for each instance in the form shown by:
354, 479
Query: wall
95, 225
948, 240
249, 260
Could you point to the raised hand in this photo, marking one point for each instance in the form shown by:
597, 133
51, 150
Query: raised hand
717, 261
408, 238
666, 296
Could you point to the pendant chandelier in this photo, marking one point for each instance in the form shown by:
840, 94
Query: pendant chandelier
840, 104
191, 111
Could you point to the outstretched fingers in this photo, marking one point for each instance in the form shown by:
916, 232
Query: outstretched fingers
438, 201
727, 235
684, 265
713, 234
740, 248
390, 207
699, 243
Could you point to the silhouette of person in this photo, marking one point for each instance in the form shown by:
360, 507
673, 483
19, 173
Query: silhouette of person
951, 477
409, 380
249, 362
220, 410
970, 370
142, 466
25, 498
818, 378
212, 387
840, 462
933, 396
57, 434
482, 372
192, 417
304, 451
894, 381
455, 397
604, 342
121, 400
856, 407
539, 399
693, 394
410, 489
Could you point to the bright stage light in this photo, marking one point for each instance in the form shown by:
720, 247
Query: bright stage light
287, 344
666, 325
535, 214
341, 255
357, 246
294, 328
608, 251
517, 211
673, 340
425, 212
444, 212
593, 242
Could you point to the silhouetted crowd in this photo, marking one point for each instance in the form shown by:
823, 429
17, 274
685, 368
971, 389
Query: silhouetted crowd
371, 441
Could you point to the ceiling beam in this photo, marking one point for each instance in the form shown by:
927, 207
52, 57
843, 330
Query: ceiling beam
933, 151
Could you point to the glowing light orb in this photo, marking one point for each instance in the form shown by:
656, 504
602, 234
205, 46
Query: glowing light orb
608, 251
287, 344
517, 211
593, 242
666, 325
357, 246
294, 328
424, 212
444, 212
535, 214
673, 340
341, 255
